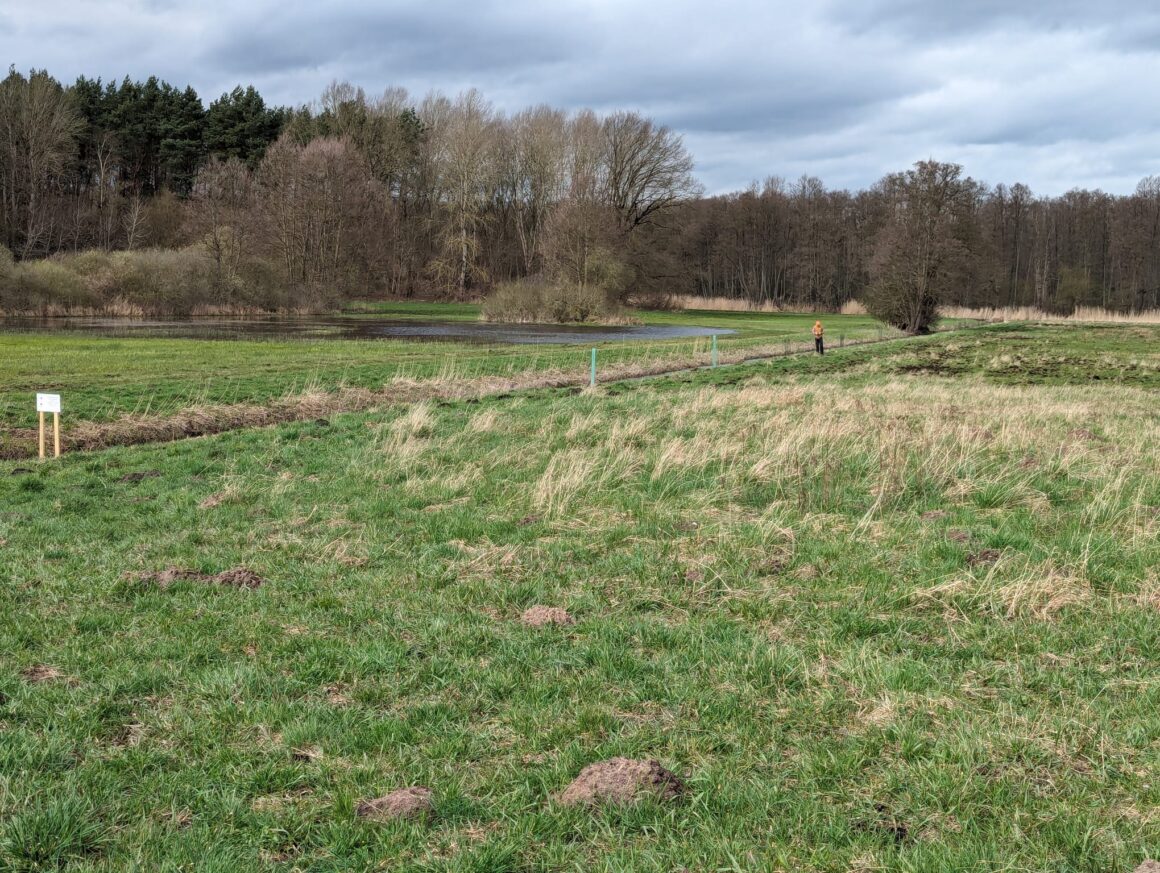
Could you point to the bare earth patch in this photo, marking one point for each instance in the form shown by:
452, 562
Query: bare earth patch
540, 616
41, 673
1149, 596
140, 476
412, 803
1148, 867
235, 577
958, 535
622, 780
984, 557
935, 515
1083, 433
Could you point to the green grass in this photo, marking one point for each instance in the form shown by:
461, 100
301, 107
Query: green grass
101, 379
782, 590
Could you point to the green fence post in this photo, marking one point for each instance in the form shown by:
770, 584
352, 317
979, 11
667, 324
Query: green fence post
592, 378
714, 350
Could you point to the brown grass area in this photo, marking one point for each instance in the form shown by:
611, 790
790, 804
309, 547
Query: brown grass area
1082, 314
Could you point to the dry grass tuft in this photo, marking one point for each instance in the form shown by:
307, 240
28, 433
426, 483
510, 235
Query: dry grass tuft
1038, 591
418, 422
566, 474
1149, 594
879, 713
1043, 592
483, 422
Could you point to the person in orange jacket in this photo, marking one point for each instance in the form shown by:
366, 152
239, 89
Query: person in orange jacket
819, 346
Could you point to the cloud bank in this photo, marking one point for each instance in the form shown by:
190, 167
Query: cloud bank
1056, 96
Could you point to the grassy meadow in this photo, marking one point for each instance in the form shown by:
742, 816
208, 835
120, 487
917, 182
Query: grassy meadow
895, 609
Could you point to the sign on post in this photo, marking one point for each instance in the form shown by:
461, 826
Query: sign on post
49, 403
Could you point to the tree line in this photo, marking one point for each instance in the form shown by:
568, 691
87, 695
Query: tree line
801, 245
440, 196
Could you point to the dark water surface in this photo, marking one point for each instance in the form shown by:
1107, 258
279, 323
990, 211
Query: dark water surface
359, 328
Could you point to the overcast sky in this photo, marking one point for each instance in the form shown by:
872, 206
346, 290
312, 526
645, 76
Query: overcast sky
1053, 94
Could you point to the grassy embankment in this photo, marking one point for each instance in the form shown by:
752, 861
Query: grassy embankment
142, 382
891, 610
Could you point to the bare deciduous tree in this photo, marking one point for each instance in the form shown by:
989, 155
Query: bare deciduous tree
464, 146
648, 168
923, 247
38, 131
533, 158
222, 202
319, 203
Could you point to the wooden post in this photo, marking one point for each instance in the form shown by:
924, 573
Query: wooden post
56, 433
42, 436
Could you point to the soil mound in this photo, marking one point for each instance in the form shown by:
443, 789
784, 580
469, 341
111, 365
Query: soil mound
235, 577
935, 515
40, 673
959, 535
406, 803
1148, 867
622, 780
1083, 433
986, 556
539, 616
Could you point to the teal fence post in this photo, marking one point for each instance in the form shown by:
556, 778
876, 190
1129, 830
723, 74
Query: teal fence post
592, 377
714, 350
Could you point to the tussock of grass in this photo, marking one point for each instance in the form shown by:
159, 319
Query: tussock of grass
1039, 591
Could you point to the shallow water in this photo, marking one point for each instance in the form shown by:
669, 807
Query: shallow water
360, 328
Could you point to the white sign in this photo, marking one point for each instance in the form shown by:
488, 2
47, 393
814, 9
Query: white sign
48, 403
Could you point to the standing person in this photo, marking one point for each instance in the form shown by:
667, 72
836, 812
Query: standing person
819, 346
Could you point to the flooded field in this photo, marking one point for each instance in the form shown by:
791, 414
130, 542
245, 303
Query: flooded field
354, 328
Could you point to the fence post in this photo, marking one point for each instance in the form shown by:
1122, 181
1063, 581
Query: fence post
714, 350
841, 340
592, 377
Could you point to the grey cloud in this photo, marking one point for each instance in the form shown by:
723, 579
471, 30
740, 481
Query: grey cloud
425, 39
921, 17
1049, 94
